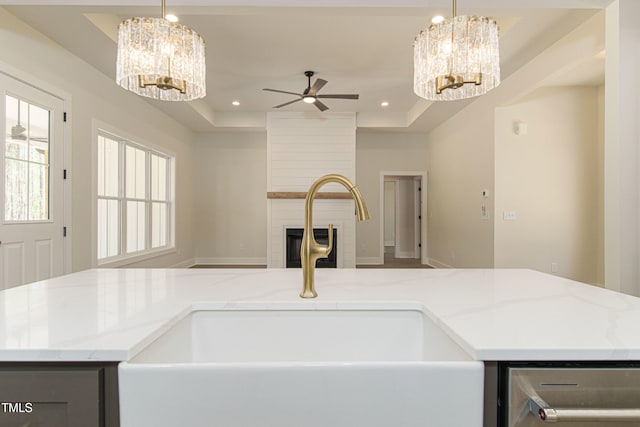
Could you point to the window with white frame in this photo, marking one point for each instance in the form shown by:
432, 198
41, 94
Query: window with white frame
134, 199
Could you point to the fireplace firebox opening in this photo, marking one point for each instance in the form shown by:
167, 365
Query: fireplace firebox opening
294, 242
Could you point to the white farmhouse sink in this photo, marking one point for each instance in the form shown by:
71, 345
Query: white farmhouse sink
361, 365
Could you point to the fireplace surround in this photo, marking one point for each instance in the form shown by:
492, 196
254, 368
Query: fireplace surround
300, 149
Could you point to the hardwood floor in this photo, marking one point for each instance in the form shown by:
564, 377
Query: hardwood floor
227, 266
389, 262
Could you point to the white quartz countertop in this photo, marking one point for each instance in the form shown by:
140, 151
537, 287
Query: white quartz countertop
111, 314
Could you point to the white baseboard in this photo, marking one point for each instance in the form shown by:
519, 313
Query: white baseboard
437, 264
231, 261
374, 260
185, 264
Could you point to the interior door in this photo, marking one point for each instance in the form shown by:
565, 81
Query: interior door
31, 190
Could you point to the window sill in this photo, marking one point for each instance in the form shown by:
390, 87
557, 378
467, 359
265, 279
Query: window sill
132, 259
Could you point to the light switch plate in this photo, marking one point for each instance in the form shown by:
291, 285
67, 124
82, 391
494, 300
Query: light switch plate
509, 215
485, 212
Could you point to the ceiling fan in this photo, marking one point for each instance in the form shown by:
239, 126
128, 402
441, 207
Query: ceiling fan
310, 94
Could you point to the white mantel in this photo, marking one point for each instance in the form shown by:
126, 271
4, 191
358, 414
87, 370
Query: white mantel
301, 147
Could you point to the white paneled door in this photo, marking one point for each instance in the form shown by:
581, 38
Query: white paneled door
32, 184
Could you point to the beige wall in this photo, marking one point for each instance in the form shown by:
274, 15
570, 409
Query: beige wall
549, 177
375, 153
231, 207
461, 154
458, 155
600, 263
228, 170
92, 95
461, 162
622, 156
230, 175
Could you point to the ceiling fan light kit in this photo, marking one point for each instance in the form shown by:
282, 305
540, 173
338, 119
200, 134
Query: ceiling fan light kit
310, 94
161, 59
457, 58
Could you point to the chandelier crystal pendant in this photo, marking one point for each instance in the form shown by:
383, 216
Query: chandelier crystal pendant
456, 59
161, 59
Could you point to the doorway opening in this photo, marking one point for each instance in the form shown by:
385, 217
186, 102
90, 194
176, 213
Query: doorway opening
402, 206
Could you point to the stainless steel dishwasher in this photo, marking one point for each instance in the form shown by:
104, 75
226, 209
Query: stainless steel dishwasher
573, 396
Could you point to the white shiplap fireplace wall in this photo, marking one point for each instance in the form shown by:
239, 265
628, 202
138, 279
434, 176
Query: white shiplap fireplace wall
301, 147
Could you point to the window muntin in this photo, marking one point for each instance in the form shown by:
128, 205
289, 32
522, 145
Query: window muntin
133, 199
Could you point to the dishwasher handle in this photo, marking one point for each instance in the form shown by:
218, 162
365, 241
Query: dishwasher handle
542, 410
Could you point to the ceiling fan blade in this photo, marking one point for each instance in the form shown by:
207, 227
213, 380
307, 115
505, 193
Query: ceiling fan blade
320, 105
287, 103
339, 96
317, 85
283, 91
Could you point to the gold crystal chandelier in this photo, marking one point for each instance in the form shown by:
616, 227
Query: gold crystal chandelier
457, 58
161, 59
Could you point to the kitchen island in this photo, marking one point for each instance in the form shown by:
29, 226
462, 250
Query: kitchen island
104, 316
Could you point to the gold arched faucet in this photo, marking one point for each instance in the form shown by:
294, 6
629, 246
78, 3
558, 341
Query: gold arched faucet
311, 250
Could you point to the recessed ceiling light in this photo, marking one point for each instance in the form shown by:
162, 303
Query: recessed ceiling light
171, 17
438, 19
235, 103
384, 104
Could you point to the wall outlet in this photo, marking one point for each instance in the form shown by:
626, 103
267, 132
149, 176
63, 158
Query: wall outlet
554, 267
509, 215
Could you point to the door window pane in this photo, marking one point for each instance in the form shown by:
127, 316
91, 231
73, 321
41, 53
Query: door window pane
16, 114
26, 161
16, 190
38, 192
38, 134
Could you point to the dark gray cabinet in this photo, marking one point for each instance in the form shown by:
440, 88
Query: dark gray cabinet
58, 395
